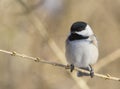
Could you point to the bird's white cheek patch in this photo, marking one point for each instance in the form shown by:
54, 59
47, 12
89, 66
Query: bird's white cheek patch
82, 33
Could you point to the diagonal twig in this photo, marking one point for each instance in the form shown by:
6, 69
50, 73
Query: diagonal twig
111, 57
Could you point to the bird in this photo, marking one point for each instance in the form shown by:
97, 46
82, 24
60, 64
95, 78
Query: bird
81, 48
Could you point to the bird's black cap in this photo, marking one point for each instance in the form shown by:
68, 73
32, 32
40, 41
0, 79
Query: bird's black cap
78, 26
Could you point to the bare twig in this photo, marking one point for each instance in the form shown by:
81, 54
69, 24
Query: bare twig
58, 64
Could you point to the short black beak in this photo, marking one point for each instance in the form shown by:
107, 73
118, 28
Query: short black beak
73, 32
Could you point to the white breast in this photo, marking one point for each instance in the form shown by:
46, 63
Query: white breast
81, 53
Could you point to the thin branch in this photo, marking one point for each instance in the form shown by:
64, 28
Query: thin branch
37, 59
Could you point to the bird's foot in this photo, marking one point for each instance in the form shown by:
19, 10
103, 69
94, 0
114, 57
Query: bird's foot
91, 71
71, 68
91, 74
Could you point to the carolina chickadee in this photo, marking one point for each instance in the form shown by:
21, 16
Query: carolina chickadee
81, 47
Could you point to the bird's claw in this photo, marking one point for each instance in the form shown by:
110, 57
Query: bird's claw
71, 68
91, 71
91, 74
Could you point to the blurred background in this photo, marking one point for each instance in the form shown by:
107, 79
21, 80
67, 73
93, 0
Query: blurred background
39, 28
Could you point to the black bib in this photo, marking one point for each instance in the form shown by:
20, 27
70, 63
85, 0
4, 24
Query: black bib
75, 36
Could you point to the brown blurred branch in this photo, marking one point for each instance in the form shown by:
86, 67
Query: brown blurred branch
39, 26
58, 64
30, 8
107, 60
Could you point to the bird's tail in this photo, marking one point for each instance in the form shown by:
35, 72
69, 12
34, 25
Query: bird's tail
81, 74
